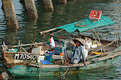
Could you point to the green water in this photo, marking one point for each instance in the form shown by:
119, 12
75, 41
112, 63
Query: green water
64, 14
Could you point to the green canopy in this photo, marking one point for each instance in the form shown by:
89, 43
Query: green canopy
86, 24
82, 25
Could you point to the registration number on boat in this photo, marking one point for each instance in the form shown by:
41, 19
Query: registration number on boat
24, 56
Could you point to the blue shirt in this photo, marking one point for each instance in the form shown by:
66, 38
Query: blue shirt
78, 54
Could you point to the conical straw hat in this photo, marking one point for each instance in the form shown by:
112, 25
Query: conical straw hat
80, 40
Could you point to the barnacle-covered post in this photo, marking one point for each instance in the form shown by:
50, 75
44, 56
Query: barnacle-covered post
31, 8
48, 5
10, 15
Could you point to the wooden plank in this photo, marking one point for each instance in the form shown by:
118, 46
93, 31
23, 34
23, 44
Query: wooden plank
10, 15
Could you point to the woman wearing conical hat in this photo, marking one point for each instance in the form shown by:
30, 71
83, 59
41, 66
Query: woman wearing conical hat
78, 51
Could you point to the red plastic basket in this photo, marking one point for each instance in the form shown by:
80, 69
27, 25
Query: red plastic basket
95, 15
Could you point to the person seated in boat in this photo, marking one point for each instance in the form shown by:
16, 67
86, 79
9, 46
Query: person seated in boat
78, 51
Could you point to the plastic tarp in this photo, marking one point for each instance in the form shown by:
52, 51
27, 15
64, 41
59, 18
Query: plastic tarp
86, 24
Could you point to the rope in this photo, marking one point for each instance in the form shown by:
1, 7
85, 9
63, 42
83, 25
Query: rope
65, 72
93, 35
108, 44
98, 39
24, 49
81, 22
117, 39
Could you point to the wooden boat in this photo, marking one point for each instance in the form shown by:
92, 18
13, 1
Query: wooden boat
24, 62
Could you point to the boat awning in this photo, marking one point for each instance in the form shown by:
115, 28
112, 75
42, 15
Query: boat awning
84, 25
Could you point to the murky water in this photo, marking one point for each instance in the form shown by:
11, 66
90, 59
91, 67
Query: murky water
64, 14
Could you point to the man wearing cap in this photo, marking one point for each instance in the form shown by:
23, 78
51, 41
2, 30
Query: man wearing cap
78, 51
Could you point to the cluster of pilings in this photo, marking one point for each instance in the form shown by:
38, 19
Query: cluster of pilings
10, 15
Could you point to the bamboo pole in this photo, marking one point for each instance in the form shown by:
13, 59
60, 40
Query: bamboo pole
43, 32
10, 15
31, 8
62, 1
48, 5
24, 45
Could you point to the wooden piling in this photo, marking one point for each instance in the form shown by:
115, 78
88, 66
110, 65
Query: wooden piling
48, 5
10, 15
62, 1
31, 8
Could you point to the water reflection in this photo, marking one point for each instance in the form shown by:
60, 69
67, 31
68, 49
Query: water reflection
100, 73
11, 36
60, 9
45, 19
26, 34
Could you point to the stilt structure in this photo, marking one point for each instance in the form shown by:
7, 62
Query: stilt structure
31, 8
10, 15
48, 5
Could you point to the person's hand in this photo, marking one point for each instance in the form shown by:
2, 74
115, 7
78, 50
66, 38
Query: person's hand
85, 63
74, 45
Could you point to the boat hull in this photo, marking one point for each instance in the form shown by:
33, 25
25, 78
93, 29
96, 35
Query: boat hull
28, 71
